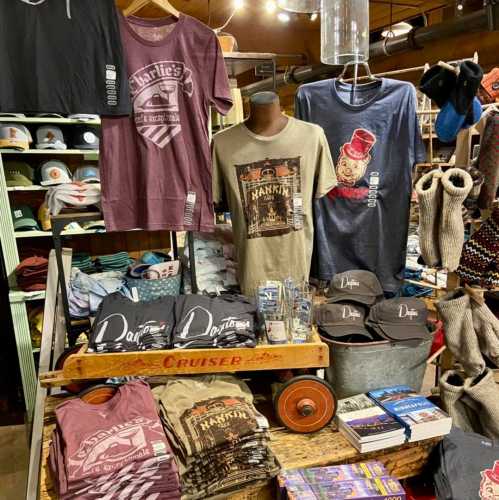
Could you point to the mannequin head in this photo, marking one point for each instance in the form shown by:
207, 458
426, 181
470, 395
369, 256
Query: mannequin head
264, 98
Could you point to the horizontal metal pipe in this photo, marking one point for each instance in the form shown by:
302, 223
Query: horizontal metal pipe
476, 21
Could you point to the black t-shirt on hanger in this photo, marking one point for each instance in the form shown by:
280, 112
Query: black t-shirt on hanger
62, 56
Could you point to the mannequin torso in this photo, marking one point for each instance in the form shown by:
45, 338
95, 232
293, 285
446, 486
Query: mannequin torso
266, 117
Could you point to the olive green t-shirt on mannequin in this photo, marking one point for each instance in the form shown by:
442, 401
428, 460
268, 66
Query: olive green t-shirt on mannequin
269, 184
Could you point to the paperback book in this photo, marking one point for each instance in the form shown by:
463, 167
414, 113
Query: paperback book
420, 417
332, 474
366, 425
380, 488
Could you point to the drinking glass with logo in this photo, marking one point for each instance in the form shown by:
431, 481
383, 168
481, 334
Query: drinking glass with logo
271, 306
299, 304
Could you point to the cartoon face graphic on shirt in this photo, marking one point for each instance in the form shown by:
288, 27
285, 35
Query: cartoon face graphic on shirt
355, 157
489, 486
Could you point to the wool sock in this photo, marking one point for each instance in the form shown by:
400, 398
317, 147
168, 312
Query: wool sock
429, 191
451, 393
456, 185
460, 336
487, 329
484, 390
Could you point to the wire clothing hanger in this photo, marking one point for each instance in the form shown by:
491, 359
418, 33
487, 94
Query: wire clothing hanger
165, 5
356, 64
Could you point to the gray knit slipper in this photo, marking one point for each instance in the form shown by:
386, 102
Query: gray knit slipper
456, 185
460, 336
429, 191
487, 329
484, 390
451, 393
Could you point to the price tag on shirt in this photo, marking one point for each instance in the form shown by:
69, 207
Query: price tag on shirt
297, 210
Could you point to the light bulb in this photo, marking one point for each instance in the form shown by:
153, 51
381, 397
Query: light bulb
283, 17
238, 4
459, 6
270, 6
314, 16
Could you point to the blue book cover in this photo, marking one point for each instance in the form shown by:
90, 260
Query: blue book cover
411, 409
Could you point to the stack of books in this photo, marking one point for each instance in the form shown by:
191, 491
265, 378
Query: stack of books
389, 417
366, 425
420, 417
361, 481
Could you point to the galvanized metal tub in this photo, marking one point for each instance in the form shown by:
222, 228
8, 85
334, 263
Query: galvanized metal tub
356, 368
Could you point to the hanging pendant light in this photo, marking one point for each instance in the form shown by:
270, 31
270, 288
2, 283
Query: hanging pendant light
344, 31
301, 6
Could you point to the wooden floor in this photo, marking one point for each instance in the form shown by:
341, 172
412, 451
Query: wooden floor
13, 462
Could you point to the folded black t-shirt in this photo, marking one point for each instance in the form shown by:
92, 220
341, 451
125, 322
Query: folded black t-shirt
225, 321
124, 325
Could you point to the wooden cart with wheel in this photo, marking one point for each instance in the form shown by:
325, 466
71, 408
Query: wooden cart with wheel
303, 403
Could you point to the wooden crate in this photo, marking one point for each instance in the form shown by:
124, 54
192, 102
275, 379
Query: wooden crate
88, 366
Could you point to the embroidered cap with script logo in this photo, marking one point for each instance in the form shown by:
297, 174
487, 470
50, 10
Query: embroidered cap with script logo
341, 320
400, 319
355, 286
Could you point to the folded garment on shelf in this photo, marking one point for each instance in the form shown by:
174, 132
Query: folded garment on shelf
85, 293
84, 263
115, 262
124, 325
31, 274
114, 450
204, 322
74, 194
221, 440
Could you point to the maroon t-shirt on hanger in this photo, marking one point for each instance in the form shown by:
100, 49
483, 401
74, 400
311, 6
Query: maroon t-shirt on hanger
156, 164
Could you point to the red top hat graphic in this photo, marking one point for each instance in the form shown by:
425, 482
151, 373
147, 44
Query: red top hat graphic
493, 474
360, 144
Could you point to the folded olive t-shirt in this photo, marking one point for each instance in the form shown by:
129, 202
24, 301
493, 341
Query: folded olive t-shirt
269, 184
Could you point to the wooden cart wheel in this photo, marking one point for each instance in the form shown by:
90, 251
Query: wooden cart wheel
98, 394
59, 364
305, 404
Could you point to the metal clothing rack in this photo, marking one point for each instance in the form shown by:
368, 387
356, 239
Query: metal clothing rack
59, 222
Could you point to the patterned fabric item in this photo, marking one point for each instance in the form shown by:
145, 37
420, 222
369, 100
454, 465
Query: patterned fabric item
480, 258
488, 161
153, 289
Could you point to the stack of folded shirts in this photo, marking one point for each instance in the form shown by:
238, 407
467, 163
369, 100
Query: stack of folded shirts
31, 274
122, 325
84, 263
114, 450
205, 322
216, 269
85, 292
115, 262
220, 439
74, 194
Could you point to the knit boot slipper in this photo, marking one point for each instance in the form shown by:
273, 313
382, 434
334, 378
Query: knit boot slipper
460, 336
456, 185
484, 390
487, 329
429, 191
471, 200
481, 253
451, 393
